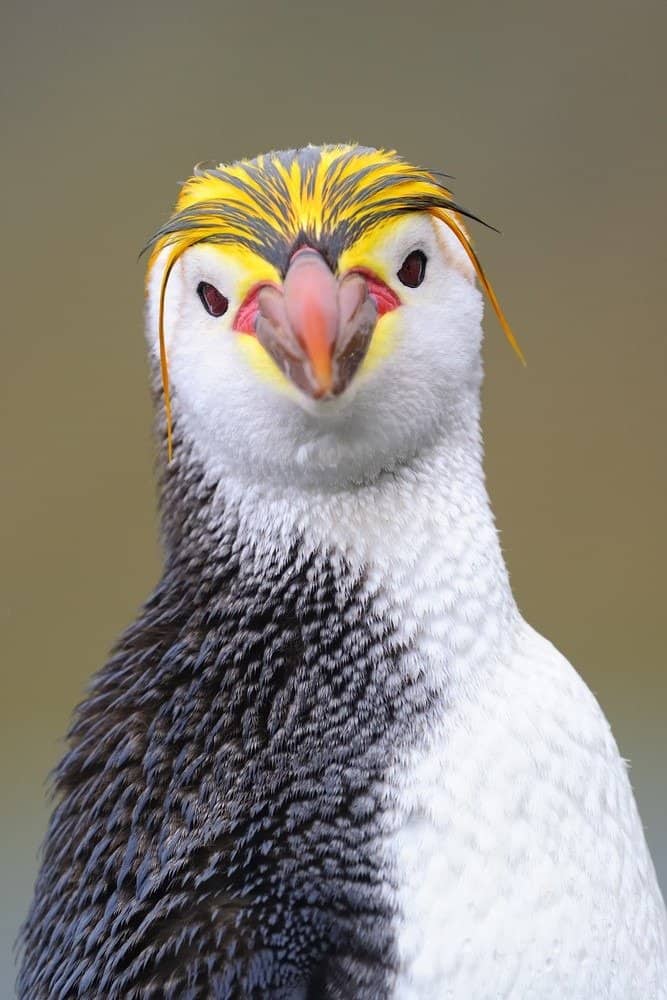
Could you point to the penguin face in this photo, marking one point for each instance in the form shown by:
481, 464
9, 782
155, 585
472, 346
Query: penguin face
320, 375
314, 314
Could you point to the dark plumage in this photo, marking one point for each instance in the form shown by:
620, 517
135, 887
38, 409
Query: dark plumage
215, 834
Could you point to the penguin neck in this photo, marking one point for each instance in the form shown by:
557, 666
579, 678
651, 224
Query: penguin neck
421, 536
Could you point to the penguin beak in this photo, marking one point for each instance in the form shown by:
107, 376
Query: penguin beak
317, 328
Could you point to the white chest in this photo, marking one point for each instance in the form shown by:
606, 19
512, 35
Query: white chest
521, 867
517, 859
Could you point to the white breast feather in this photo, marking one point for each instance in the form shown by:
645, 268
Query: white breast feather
522, 868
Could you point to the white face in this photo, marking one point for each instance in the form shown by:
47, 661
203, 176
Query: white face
242, 416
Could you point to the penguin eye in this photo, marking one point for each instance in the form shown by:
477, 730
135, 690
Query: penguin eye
413, 269
213, 301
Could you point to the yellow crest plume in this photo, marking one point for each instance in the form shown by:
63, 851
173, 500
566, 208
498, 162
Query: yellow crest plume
323, 196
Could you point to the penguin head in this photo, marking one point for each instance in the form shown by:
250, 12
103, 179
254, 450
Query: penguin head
314, 315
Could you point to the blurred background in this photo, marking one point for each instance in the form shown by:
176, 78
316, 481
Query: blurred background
551, 117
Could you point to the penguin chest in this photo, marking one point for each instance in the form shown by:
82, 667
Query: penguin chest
520, 865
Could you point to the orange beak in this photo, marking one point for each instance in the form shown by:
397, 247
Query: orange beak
311, 304
316, 328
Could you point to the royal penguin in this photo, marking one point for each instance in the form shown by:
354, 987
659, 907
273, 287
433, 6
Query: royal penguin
330, 759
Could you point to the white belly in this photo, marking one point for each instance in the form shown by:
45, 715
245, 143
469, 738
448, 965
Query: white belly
521, 864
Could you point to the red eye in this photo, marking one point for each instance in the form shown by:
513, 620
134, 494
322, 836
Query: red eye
413, 269
213, 301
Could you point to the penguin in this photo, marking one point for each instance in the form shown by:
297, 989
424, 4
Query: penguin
330, 760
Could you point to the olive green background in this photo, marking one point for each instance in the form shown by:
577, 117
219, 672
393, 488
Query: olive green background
551, 116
